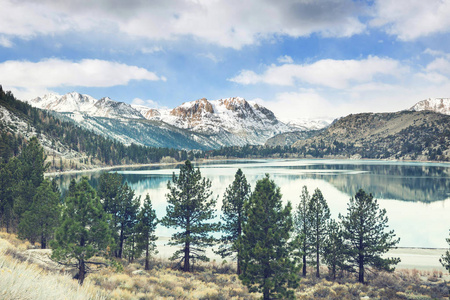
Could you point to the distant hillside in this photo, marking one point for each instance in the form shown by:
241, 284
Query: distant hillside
289, 138
422, 135
67, 145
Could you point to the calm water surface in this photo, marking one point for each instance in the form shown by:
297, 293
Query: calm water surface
415, 195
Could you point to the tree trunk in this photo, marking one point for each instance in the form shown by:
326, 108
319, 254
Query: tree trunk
238, 271
317, 250
147, 264
361, 268
317, 263
81, 271
304, 266
43, 242
266, 292
119, 254
186, 267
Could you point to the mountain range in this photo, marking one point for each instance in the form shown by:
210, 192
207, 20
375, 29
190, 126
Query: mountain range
421, 132
199, 124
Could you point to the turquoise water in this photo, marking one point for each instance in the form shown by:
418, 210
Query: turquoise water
415, 195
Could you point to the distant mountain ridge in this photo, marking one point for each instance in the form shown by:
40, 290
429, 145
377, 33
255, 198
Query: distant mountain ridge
209, 124
78, 103
410, 135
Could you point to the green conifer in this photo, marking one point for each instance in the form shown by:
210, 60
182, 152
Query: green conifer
83, 231
319, 216
234, 199
40, 220
190, 209
302, 227
365, 236
268, 265
145, 230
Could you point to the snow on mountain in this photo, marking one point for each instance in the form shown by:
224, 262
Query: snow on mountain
224, 122
230, 121
77, 103
440, 105
308, 124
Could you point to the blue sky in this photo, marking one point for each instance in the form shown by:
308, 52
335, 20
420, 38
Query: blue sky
299, 58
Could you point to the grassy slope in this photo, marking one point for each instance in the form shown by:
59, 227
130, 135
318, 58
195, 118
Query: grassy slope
23, 280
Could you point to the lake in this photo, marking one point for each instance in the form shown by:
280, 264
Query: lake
416, 195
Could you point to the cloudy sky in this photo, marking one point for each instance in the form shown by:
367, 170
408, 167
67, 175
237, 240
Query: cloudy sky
300, 58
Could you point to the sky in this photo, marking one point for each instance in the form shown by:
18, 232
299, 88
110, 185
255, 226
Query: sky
299, 58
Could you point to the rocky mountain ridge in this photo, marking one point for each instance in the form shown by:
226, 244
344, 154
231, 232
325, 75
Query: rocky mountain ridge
224, 122
439, 105
411, 135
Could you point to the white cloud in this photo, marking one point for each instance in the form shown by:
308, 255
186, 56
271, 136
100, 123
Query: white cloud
337, 88
149, 103
229, 23
210, 56
441, 65
338, 74
285, 59
4, 42
435, 52
151, 50
411, 19
50, 73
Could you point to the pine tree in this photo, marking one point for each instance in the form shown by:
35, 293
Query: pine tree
190, 209
302, 227
234, 199
126, 217
40, 220
334, 248
7, 185
28, 175
364, 233
83, 231
118, 200
267, 263
319, 216
145, 230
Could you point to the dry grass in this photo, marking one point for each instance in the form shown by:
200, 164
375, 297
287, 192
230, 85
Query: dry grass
21, 279
166, 283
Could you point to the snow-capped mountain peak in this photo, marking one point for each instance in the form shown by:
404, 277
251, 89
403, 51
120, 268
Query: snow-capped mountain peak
84, 104
234, 120
440, 105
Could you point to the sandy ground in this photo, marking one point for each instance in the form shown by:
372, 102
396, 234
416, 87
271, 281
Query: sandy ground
419, 258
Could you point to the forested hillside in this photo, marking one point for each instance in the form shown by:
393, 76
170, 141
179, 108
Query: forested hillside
67, 145
422, 135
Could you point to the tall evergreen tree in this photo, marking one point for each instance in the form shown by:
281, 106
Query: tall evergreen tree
108, 190
83, 231
7, 185
302, 227
234, 199
118, 200
145, 230
190, 209
334, 248
365, 236
319, 216
28, 175
267, 263
126, 217
40, 220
